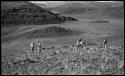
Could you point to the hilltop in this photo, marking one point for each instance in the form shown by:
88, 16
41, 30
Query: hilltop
108, 9
52, 31
45, 32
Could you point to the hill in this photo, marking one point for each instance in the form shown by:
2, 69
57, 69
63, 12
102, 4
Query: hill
52, 31
45, 32
22, 12
108, 9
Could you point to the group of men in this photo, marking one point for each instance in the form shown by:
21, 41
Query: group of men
32, 45
80, 44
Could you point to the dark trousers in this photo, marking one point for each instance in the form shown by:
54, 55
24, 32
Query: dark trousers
32, 48
81, 46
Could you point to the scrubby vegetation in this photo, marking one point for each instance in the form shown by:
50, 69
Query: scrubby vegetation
66, 61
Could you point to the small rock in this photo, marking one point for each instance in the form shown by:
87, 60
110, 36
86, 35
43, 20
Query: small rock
98, 73
121, 64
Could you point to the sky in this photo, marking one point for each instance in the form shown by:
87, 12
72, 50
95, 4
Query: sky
58, 3
44, 2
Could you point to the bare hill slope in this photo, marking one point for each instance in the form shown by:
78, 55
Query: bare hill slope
22, 12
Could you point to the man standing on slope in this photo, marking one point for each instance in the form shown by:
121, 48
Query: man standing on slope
80, 43
104, 43
32, 46
39, 46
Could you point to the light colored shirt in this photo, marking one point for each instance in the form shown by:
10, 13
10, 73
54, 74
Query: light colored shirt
31, 44
39, 44
77, 42
82, 42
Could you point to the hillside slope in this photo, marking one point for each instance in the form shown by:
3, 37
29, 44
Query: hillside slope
45, 32
52, 31
66, 61
22, 12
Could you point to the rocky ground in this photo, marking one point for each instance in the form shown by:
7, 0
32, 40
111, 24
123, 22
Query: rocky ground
66, 60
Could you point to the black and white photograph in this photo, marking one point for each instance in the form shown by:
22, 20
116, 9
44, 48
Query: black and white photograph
62, 37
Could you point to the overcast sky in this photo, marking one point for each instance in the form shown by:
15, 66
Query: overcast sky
64, 1
58, 3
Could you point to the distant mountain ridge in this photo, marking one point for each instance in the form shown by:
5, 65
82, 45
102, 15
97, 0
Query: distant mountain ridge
109, 9
23, 12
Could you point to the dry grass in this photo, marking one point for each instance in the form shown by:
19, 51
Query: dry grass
66, 61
